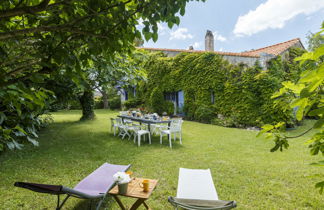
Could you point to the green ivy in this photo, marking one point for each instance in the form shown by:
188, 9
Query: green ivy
242, 94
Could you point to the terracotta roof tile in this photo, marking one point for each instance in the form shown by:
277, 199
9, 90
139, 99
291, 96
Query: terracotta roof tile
275, 49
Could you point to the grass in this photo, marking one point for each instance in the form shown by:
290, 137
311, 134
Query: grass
243, 169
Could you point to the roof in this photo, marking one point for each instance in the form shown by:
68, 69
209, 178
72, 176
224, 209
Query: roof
275, 49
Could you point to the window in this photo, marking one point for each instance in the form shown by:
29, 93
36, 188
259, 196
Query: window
171, 96
126, 95
212, 97
134, 91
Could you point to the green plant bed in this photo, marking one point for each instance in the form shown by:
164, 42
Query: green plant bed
243, 169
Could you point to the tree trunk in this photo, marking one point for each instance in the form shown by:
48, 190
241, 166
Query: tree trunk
87, 104
105, 99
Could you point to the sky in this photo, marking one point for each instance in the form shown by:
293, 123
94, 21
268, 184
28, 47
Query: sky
240, 25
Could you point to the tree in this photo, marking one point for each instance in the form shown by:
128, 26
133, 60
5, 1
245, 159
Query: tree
306, 96
40, 39
314, 40
124, 70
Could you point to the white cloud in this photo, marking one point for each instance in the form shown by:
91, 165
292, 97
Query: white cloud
161, 29
274, 14
219, 37
196, 45
180, 33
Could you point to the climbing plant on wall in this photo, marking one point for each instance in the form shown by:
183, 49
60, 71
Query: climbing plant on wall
241, 94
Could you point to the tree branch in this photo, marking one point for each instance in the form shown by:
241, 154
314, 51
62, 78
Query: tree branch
24, 10
22, 66
57, 28
292, 137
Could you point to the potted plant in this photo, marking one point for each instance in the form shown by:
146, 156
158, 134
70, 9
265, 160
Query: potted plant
122, 179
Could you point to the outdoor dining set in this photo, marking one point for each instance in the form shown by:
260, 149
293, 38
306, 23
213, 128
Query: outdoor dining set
132, 124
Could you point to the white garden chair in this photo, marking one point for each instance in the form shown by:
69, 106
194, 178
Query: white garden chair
175, 128
123, 112
141, 130
123, 129
157, 128
196, 191
113, 125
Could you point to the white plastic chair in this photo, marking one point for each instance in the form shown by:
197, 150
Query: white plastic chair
123, 112
113, 125
175, 127
140, 131
157, 128
123, 131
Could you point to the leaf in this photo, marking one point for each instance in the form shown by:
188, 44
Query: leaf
182, 10
33, 141
155, 37
320, 185
300, 103
319, 163
318, 52
17, 145
316, 112
170, 24
265, 129
10, 145
2, 117
319, 123
177, 20
147, 36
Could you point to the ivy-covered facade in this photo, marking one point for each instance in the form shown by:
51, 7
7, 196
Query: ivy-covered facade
207, 87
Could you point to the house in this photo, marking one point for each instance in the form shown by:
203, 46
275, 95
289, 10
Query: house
250, 57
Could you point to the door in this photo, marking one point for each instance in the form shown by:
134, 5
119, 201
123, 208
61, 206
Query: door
180, 101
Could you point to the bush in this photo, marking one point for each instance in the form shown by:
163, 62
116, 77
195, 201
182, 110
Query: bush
168, 107
74, 104
204, 114
157, 101
98, 103
114, 102
226, 122
132, 103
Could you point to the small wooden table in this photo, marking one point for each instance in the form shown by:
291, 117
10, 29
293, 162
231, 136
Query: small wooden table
135, 191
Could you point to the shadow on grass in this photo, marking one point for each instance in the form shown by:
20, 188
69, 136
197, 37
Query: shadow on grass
68, 152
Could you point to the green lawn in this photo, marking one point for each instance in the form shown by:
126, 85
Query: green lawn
242, 166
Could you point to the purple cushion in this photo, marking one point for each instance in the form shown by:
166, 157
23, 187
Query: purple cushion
101, 180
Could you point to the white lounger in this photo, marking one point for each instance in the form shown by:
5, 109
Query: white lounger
196, 190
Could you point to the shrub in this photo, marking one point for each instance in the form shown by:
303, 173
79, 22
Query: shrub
114, 102
132, 103
157, 101
98, 103
74, 104
204, 114
230, 121
168, 107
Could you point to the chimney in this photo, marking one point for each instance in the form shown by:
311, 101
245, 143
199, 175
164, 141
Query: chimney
209, 41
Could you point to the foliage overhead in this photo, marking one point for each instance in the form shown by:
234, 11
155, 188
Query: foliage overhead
306, 96
42, 40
